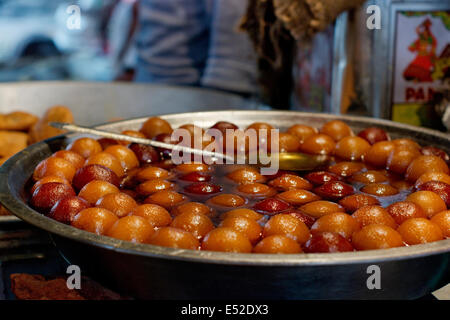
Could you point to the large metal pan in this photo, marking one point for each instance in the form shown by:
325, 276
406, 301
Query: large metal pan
146, 271
97, 102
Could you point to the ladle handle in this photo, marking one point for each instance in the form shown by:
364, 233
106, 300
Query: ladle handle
153, 143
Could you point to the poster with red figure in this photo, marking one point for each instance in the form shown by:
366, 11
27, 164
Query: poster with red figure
421, 60
421, 68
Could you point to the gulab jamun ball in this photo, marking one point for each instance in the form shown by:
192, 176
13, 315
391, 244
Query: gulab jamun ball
375, 193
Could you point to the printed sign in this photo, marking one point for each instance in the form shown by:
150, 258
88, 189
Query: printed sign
422, 58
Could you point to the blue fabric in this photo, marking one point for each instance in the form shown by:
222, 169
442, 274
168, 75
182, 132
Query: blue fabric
195, 42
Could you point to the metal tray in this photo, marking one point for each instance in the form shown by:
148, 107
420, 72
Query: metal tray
153, 272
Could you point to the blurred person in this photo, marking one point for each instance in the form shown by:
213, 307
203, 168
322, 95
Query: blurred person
197, 43
121, 31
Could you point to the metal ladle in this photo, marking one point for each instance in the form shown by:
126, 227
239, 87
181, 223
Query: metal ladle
293, 161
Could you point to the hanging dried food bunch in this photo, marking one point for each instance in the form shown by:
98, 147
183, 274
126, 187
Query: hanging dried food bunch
274, 26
